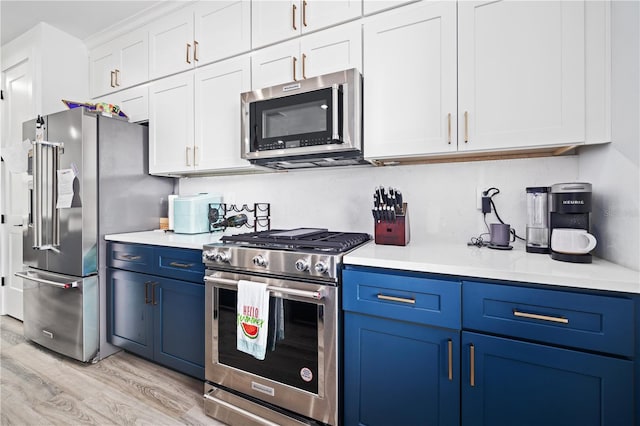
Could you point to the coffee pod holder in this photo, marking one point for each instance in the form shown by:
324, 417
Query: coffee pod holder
394, 232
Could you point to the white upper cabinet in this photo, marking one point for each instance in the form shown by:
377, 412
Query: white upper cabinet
194, 119
277, 20
134, 102
521, 74
323, 52
217, 114
121, 63
410, 87
199, 34
374, 6
519, 71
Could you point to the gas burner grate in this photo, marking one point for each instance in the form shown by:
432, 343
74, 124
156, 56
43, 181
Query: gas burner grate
300, 239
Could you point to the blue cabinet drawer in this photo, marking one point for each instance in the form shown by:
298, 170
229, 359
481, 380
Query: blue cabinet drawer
413, 298
593, 322
132, 257
182, 264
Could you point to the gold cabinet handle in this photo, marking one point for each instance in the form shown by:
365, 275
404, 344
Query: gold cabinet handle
304, 74
472, 362
181, 265
112, 76
304, 13
131, 256
188, 53
195, 155
397, 299
450, 357
153, 293
195, 50
146, 292
561, 320
466, 126
293, 17
449, 128
188, 156
117, 77
294, 68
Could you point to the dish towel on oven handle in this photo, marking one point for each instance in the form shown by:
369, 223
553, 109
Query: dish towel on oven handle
253, 318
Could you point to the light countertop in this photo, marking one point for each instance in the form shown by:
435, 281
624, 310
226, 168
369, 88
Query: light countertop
169, 239
456, 258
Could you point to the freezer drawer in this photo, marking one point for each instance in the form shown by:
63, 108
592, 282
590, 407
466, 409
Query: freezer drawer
61, 313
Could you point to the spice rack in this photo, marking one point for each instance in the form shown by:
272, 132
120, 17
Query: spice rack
258, 216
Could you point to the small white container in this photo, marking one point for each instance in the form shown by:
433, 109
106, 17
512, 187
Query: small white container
191, 213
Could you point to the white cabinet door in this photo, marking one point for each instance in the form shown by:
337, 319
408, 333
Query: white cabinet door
318, 14
171, 124
103, 61
273, 21
521, 74
135, 103
331, 50
222, 29
134, 59
217, 113
171, 45
374, 6
410, 81
276, 64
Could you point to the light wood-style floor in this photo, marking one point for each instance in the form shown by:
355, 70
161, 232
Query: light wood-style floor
40, 387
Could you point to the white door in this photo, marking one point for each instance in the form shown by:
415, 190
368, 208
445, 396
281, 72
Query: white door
274, 21
17, 107
276, 64
171, 124
171, 46
222, 29
217, 113
317, 14
331, 50
134, 59
410, 81
103, 62
521, 74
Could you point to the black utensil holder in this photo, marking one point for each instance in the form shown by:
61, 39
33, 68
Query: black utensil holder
394, 232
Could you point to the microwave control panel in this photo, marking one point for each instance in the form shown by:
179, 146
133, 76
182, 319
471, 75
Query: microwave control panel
297, 143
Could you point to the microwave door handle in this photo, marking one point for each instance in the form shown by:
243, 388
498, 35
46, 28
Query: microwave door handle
335, 131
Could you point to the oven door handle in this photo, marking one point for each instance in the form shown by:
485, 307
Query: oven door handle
233, 284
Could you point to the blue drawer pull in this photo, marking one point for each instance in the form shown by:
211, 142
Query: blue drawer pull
540, 317
396, 299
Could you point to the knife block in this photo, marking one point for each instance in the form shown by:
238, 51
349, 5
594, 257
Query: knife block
394, 233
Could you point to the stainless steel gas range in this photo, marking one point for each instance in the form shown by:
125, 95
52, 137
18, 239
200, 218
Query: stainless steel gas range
298, 380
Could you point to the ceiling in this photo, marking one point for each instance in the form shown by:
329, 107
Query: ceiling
80, 18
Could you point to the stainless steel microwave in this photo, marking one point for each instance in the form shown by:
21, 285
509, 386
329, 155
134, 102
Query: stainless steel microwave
316, 122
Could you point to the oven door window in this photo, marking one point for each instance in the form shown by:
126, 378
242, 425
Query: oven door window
292, 341
295, 121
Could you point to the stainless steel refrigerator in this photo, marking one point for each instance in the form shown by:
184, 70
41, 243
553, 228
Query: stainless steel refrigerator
89, 178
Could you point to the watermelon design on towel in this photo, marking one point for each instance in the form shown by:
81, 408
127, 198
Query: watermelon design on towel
250, 330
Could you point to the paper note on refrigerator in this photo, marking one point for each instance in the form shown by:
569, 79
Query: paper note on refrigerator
65, 188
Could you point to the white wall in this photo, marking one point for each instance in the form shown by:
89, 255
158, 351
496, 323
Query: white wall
441, 197
614, 168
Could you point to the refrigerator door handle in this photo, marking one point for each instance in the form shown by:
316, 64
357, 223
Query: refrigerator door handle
45, 188
63, 285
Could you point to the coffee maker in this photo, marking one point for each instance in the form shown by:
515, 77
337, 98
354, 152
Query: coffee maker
570, 208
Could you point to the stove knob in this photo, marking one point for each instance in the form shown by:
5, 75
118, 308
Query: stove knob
321, 267
223, 256
302, 265
209, 255
259, 261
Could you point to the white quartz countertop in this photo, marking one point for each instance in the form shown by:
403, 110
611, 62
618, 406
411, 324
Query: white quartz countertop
456, 258
169, 239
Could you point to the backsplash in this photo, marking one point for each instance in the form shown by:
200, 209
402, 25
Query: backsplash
441, 197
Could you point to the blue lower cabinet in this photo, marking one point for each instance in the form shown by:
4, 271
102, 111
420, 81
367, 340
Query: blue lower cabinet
130, 316
179, 326
507, 382
400, 373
